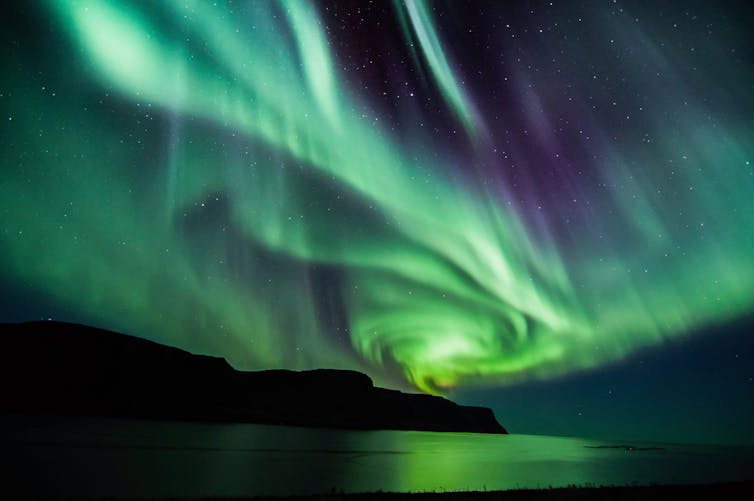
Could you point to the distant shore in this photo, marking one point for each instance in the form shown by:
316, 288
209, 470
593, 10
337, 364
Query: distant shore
717, 491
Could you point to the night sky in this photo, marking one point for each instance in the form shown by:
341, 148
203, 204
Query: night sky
542, 207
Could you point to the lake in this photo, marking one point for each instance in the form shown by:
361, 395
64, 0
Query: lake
44, 456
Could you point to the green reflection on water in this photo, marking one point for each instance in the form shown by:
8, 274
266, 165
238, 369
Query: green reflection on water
143, 458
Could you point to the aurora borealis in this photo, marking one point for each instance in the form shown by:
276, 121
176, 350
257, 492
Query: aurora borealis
440, 194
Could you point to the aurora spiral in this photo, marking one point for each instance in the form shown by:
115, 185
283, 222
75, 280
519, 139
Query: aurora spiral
244, 180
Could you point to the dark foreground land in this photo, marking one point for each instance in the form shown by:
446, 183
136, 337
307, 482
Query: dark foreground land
718, 492
737, 490
69, 369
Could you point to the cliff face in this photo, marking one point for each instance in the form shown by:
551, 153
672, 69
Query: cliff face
55, 367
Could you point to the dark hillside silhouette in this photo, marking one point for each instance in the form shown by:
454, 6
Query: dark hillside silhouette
61, 368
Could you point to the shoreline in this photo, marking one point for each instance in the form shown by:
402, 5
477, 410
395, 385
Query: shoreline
723, 490
718, 491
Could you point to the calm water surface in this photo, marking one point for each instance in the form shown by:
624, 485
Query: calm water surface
107, 457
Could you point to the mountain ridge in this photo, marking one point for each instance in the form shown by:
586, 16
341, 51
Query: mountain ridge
64, 368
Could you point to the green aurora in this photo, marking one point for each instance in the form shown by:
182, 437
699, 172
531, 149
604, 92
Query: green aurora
210, 179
